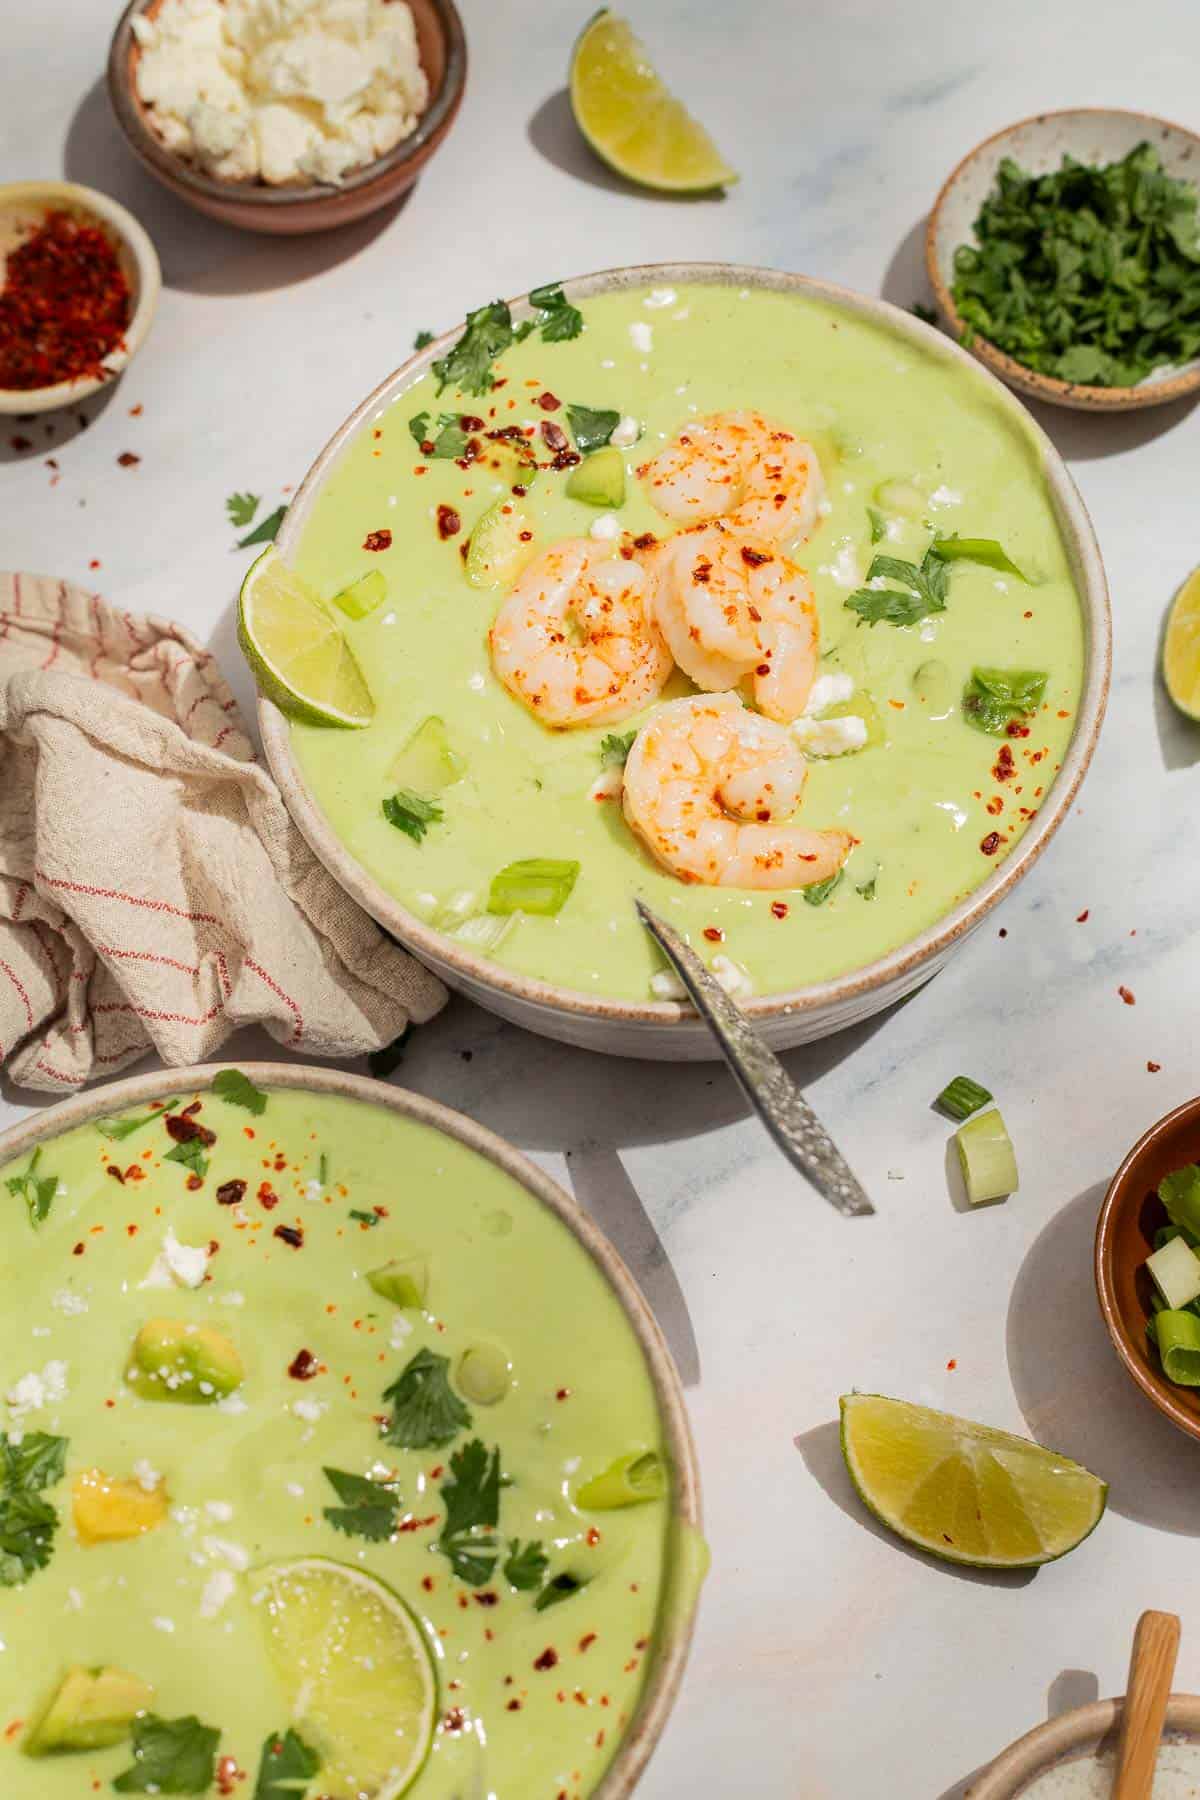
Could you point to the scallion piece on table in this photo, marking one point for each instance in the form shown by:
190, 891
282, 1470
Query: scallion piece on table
1175, 1272
1178, 1338
539, 884
989, 1164
961, 1097
1180, 1194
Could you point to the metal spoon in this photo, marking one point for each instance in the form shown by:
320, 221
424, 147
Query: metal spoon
761, 1076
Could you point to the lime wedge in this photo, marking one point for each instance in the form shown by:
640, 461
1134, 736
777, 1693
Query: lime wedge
357, 1671
1181, 648
298, 657
631, 121
964, 1492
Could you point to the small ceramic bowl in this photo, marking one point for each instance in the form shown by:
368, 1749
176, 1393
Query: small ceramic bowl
688, 1558
310, 205
1131, 1214
1073, 1735
1091, 134
23, 206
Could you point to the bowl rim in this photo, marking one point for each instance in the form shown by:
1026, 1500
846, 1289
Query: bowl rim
137, 239
1156, 1387
145, 142
447, 953
1151, 392
1040, 1749
676, 1616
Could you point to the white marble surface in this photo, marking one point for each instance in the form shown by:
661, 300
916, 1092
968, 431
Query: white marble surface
829, 1663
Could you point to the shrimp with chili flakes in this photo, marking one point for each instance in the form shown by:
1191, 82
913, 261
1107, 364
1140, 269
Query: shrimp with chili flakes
575, 641
743, 468
711, 789
732, 607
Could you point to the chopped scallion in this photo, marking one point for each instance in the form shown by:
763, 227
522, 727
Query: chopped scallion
1177, 1335
961, 1097
989, 1164
538, 884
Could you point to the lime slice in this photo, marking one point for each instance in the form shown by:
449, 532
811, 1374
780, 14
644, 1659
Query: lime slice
1181, 648
298, 656
357, 1672
964, 1492
631, 121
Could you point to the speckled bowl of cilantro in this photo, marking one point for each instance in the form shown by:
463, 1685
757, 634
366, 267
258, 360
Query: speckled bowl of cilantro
1061, 201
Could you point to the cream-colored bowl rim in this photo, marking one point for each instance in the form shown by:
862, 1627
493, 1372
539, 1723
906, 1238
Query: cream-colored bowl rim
145, 256
1073, 523
1081, 1730
674, 1629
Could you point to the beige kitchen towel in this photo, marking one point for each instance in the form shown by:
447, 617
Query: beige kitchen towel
154, 892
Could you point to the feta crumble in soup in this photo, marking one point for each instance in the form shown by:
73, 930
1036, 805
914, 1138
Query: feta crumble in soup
723, 597
329, 1461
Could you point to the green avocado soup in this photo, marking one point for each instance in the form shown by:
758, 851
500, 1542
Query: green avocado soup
539, 1628
911, 445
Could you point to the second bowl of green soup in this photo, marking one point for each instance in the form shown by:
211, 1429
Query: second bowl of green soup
718, 586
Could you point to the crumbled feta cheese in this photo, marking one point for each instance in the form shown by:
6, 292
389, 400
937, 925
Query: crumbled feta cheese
606, 526
666, 985
641, 336
161, 1623
35, 1391
732, 977
660, 297
401, 1330
313, 1190
223, 1550
74, 1599
477, 682
626, 432
844, 570
220, 1510
308, 1410
295, 1490
828, 690
177, 1265
232, 1403
608, 784
71, 1305
281, 89
830, 737
218, 1590
945, 496
234, 1297
41, 1331
185, 1517
146, 1475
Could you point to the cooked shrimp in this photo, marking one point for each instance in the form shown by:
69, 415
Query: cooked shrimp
575, 642
729, 607
710, 788
738, 466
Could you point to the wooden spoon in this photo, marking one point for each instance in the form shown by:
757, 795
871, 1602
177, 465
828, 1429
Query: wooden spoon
1151, 1667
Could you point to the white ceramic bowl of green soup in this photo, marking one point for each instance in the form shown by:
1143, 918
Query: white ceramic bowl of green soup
338, 1449
980, 693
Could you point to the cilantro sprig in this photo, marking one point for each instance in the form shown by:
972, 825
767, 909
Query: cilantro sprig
592, 426
27, 1521
525, 1565
266, 531
191, 1153
923, 588
170, 1756
238, 1090
285, 1768
36, 1190
410, 813
368, 1508
116, 1129
994, 699
489, 332
1090, 273
242, 508
426, 1412
471, 1494
444, 437
615, 747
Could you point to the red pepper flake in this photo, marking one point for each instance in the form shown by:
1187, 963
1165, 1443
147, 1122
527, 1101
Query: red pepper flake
64, 307
231, 1193
1004, 768
563, 1394
291, 1234
487, 1598
754, 559
646, 541
183, 1128
378, 540
995, 805
1153, 1067
11, 1730
990, 844
267, 1197
304, 1366
194, 1182
228, 1773
779, 909
449, 523
548, 1659
79, 1250
586, 1642
427, 1583
1081, 918
1015, 729
593, 1537
455, 1719
554, 437
1127, 996
953, 1363
116, 1173
128, 460
513, 1706
134, 1173
714, 934
548, 402
131, 1231
21, 443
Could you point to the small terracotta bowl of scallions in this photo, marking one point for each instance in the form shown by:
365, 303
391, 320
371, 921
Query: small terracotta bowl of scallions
1147, 1265
1023, 240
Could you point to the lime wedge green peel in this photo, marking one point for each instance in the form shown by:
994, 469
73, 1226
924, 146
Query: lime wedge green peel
964, 1492
357, 1672
1181, 648
630, 119
295, 649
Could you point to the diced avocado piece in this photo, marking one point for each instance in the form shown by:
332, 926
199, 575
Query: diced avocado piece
404, 1281
91, 1709
631, 1481
194, 1364
427, 764
860, 706
933, 685
107, 1510
361, 598
900, 495
599, 480
500, 545
484, 1374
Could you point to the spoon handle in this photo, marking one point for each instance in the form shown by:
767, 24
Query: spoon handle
1151, 1668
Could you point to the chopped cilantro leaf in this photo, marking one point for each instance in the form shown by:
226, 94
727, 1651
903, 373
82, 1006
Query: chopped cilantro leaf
978, 550
36, 1190
170, 1756
368, 1508
27, 1522
467, 365
364, 1218
33, 1462
381, 1063
265, 531
471, 1493
445, 436
819, 891
422, 340
241, 508
409, 813
866, 889
426, 1412
323, 1163
560, 1588
286, 1767
994, 698
615, 747
525, 1565
591, 427
877, 523
191, 1154
558, 319
894, 605
238, 1089
123, 1128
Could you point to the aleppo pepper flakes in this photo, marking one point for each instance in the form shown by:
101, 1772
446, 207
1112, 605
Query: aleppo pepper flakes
65, 305
449, 522
378, 540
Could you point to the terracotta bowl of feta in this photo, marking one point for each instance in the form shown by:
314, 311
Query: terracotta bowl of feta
286, 132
